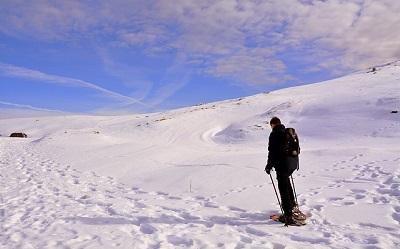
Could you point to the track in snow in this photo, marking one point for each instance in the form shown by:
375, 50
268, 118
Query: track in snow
47, 205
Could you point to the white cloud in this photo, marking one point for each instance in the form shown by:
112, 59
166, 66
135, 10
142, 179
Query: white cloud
253, 66
358, 33
231, 38
20, 72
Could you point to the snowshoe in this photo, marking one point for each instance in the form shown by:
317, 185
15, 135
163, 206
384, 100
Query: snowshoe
297, 214
288, 221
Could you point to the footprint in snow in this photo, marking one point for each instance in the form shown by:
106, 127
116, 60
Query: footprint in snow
179, 241
147, 228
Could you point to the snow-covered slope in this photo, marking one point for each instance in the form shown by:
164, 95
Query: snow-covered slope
193, 177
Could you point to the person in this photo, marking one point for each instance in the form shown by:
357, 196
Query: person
284, 165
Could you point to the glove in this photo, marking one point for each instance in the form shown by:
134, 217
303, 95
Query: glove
268, 170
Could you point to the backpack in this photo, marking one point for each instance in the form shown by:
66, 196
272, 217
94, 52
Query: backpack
292, 147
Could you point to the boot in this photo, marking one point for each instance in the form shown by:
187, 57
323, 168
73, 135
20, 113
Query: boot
291, 221
297, 214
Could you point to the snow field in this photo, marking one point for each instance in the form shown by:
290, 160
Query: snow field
193, 177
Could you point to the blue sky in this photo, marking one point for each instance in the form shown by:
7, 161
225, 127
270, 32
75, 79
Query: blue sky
137, 56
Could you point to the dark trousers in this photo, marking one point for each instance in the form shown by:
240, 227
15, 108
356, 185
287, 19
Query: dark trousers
286, 192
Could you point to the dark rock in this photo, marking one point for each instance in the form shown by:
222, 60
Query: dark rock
18, 134
394, 111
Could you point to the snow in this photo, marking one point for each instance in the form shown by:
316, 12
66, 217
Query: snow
193, 177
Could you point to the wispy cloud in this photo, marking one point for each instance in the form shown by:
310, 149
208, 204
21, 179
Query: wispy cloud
235, 39
168, 89
40, 77
14, 105
175, 77
253, 66
133, 77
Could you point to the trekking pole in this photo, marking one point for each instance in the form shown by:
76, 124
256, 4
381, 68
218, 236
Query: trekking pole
277, 197
294, 190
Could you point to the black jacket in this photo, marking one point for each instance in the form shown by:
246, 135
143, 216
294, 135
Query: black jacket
277, 157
